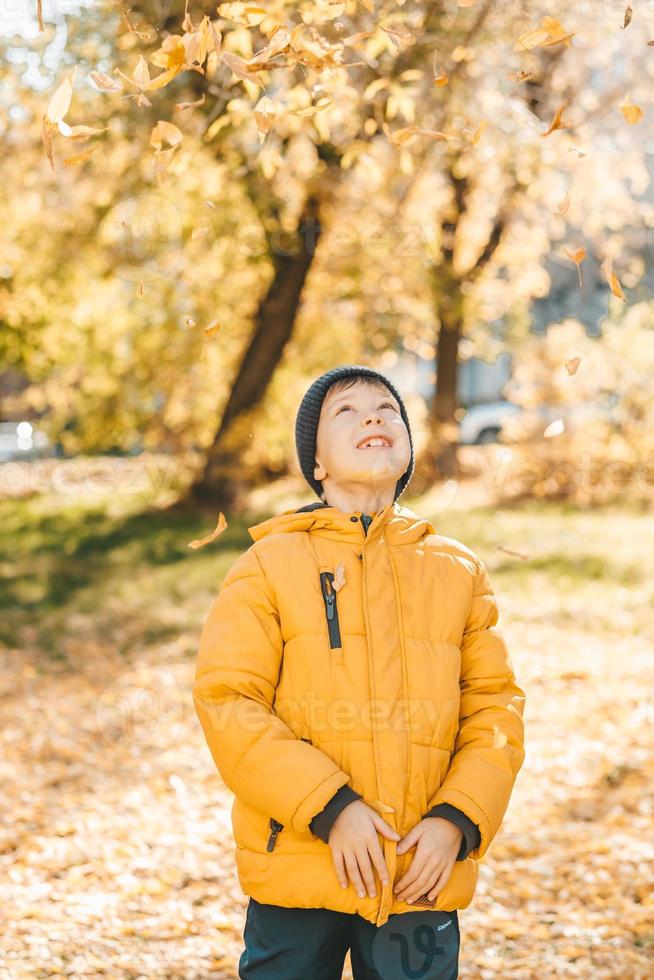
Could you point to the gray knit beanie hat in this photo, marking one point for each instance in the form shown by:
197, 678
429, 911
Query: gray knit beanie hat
308, 416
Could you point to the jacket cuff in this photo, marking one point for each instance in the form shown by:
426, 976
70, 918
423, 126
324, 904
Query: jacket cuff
470, 830
321, 824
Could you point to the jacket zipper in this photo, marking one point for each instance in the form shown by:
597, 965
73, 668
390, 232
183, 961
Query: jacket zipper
275, 827
329, 595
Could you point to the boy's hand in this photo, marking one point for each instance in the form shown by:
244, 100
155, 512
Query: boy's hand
354, 843
438, 842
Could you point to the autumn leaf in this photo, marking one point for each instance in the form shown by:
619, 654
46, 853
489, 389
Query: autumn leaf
103, 83
217, 531
180, 106
562, 206
555, 428
60, 102
242, 13
441, 79
477, 134
557, 122
139, 291
513, 552
212, 328
628, 14
165, 132
240, 67
632, 113
339, 577
141, 35
74, 161
612, 279
572, 364
577, 257
39, 14
520, 76
550, 32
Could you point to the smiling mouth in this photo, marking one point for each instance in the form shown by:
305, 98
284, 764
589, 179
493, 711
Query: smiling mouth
380, 442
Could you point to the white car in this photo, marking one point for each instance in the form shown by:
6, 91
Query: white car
483, 423
20, 440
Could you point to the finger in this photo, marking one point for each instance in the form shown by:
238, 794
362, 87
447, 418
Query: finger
365, 868
408, 841
339, 865
384, 827
422, 884
412, 872
353, 871
377, 856
439, 884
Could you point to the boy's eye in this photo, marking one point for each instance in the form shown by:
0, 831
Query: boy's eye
383, 405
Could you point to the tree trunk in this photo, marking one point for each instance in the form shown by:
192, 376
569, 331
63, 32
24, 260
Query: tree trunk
222, 479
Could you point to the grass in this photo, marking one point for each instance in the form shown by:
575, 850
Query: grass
111, 564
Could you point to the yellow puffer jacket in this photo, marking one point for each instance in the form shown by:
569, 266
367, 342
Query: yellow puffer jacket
397, 683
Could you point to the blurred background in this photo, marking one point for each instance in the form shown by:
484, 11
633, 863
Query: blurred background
204, 208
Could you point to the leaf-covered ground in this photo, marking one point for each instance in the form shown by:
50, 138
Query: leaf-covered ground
116, 855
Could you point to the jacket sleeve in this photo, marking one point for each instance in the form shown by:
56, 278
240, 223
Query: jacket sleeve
469, 829
489, 745
239, 658
322, 823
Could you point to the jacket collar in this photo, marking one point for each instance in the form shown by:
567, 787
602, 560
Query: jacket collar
400, 524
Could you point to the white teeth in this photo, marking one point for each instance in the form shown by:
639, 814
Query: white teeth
373, 442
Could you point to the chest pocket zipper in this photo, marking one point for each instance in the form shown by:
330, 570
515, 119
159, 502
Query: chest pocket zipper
275, 827
331, 608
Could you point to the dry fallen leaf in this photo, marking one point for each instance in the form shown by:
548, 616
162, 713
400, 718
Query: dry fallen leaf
212, 328
520, 76
339, 577
562, 206
557, 122
555, 428
632, 113
441, 79
577, 257
217, 531
612, 279
79, 157
628, 14
39, 14
165, 132
572, 364
550, 32
512, 551
189, 105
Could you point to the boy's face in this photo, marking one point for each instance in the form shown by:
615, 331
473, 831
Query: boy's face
347, 418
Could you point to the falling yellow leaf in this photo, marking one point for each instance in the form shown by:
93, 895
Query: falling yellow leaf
78, 132
520, 76
103, 83
39, 14
46, 136
562, 206
557, 122
60, 102
217, 531
74, 161
240, 67
612, 279
476, 136
441, 79
628, 14
577, 257
573, 149
511, 551
165, 132
555, 428
572, 364
550, 32
339, 577
190, 105
242, 13
139, 291
264, 114
212, 328
142, 35
632, 113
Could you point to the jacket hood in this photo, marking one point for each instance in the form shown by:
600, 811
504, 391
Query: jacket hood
400, 523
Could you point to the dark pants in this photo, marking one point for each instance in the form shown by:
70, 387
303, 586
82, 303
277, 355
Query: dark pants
311, 944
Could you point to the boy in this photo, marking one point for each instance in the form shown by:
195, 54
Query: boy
360, 703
